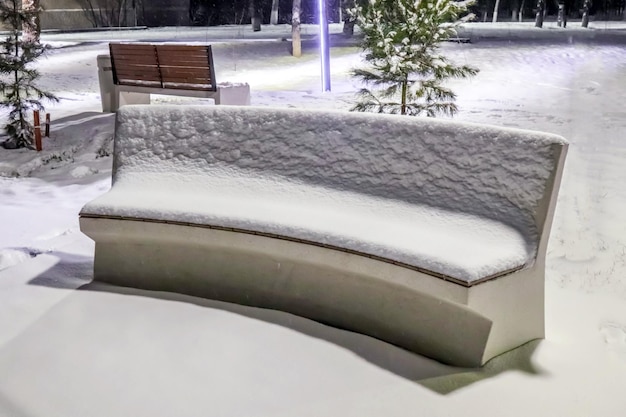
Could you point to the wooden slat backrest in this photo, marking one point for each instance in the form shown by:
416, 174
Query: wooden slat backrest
135, 64
187, 67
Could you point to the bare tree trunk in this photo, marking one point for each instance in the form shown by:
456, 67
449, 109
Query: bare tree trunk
255, 18
495, 12
514, 4
541, 5
296, 44
560, 17
274, 15
348, 21
586, 7
403, 94
32, 28
521, 12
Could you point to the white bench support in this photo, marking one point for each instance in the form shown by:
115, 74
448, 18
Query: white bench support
406, 308
337, 217
237, 94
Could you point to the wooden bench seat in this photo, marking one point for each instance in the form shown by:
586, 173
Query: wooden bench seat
428, 234
171, 69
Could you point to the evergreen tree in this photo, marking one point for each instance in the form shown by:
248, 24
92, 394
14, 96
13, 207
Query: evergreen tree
401, 44
17, 80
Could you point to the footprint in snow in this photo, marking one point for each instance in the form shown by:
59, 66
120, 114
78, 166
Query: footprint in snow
83, 171
54, 234
13, 256
614, 336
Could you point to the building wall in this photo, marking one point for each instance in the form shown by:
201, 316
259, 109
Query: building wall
165, 13
82, 14
64, 14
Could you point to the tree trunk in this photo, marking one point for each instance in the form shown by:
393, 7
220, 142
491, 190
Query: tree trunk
348, 21
514, 10
296, 44
31, 28
541, 4
403, 93
274, 15
255, 18
495, 12
560, 17
586, 7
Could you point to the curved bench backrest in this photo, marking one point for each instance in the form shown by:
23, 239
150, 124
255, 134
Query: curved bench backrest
504, 174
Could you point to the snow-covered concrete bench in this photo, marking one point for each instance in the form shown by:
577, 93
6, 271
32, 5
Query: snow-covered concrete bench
428, 234
141, 69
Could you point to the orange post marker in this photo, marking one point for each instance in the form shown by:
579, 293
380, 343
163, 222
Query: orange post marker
37, 130
47, 132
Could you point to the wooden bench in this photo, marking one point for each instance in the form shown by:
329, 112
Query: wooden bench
424, 233
170, 69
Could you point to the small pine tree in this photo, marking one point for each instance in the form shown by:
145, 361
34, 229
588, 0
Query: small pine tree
17, 80
401, 42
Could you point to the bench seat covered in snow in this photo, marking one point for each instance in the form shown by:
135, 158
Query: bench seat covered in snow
424, 233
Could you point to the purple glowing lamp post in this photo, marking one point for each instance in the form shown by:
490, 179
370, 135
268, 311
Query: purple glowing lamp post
324, 45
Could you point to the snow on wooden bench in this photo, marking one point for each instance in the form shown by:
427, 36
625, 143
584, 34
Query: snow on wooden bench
141, 69
428, 234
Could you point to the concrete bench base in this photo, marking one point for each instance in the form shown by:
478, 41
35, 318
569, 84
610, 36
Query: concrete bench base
237, 94
464, 326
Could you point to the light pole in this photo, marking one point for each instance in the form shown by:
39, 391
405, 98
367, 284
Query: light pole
324, 45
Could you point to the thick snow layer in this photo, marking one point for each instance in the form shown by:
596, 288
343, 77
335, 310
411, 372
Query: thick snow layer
415, 235
409, 190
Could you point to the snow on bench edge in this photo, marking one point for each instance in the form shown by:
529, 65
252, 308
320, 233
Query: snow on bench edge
290, 159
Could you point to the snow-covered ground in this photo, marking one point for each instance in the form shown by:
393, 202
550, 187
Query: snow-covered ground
69, 347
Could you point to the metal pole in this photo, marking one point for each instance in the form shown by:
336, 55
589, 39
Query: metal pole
324, 45
37, 132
